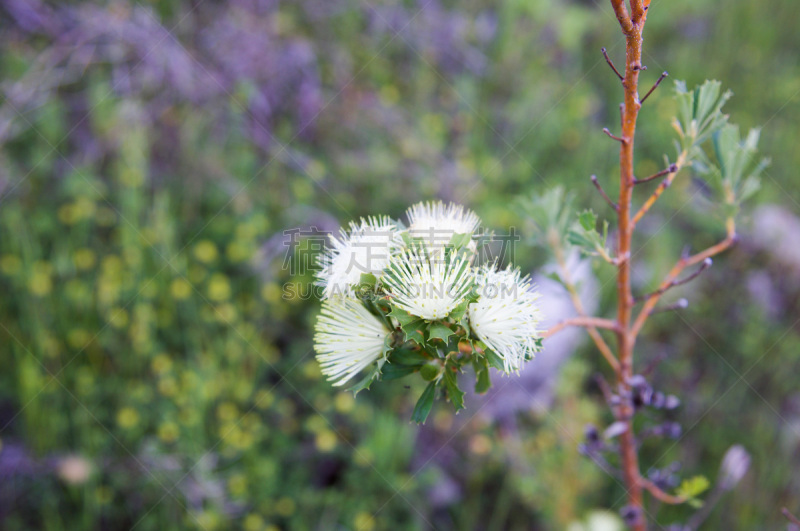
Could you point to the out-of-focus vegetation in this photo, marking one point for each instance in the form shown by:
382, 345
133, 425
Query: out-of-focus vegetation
156, 375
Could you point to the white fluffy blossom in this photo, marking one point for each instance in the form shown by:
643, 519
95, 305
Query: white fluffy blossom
428, 285
348, 339
506, 315
436, 223
366, 248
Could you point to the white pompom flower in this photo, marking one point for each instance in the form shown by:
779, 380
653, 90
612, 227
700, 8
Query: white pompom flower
348, 339
436, 223
428, 285
506, 315
366, 248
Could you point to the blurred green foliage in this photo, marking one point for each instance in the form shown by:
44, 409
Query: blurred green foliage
146, 327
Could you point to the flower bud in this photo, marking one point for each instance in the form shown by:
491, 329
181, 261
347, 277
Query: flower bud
734, 467
631, 515
74, 469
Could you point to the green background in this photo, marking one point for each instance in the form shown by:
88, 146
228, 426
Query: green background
146, 325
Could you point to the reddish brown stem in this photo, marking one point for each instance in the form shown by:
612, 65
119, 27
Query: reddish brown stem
620, 139
602, 346
632, 25
622, 15
632, 28
654, 87
603, 193
660, 495
676, 270
672, 168
789, 516
676, 282
611, 64
586, 322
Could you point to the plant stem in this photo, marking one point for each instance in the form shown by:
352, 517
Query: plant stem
632, 27
632, 24
595, 322
602, 346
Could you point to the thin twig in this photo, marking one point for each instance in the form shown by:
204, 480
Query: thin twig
655, 86
603, 193
789, 516
661, 187
611, 64
672, 168
599, 342
703, 266
586, 322
652, 199
612, 135
659, 494
683, 263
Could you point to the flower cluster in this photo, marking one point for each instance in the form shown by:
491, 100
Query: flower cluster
399, 300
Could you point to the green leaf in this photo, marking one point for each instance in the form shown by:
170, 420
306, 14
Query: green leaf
548, 217
412, 331
368, 279
459, 311
365, 382
388, 345
460, 241
588, 220
439, 331
493, 359
699, 113
393, 372
483, 382
452, 343
691, 488
453, 391
585, 235
416, 336
402, 316
737, 175
405, 356
424, 404
750, 186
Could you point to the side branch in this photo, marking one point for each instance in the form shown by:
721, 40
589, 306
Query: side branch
611, 64
655, 86
672, 168
602, 346
621, 139
789, 516
584, 321
622, 15
670, 172
660, 291
682, 264
603, 193
652, 199
659, 494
